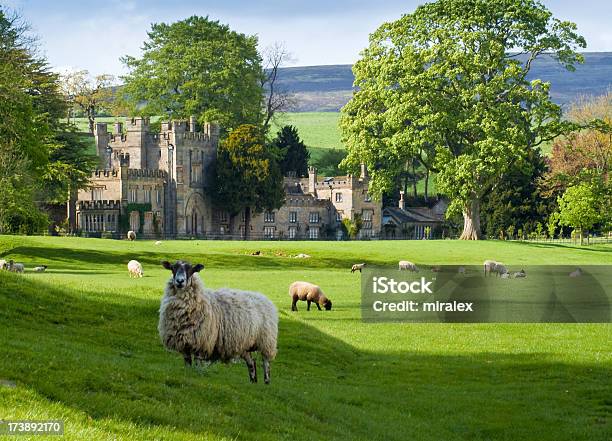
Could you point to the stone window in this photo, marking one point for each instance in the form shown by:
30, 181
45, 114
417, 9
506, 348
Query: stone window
313, 217
133, 196
339, 197
158, 196
339, 216
222, 216
313, 233
366, 216
147, 196
269, 217
269, 232
367, 197
97, 193
292, 232
293, 217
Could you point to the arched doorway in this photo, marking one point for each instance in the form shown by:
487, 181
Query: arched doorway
194, 215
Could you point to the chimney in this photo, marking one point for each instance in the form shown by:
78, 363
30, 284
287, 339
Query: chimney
192, 124
312, 180
401, 200
364, 172
118, 128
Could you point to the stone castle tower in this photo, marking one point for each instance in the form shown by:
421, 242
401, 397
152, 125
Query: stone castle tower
148, 182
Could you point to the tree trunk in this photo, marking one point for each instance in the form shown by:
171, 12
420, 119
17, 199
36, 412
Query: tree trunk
232, 225
247, 222
471, 221
414, 182
426, 184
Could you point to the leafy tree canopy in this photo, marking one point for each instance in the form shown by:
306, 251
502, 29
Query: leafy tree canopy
248, 176
448, 79
197, 67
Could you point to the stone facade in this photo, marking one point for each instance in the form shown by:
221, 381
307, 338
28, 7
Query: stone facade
313, 209
157, 180
156, 185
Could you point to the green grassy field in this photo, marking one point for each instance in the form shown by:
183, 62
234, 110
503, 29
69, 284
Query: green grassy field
80, 343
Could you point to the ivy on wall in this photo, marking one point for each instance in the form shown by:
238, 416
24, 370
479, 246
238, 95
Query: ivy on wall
124, 220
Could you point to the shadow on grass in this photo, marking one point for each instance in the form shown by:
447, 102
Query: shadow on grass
67, 257
104, 359
586, 248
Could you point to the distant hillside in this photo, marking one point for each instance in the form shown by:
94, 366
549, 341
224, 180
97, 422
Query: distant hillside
328, 88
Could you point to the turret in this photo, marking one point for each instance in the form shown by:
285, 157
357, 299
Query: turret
312, 180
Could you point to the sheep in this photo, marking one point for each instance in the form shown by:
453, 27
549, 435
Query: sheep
576, 273
409, 266
500, 269
505, 276
357, 267
3, 264
158, 242
436, 269
489, 267
520, 274
308, 292
216, 325
131, 235
302, 256
40, 269
16, 267
135, 269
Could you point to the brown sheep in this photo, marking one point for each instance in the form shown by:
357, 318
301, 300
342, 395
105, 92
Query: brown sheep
308, 292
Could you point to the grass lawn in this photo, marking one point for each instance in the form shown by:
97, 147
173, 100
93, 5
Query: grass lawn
80, 343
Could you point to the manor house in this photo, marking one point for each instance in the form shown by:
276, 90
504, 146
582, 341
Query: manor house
157, 185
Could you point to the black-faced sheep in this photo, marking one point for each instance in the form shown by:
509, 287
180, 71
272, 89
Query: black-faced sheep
216, 325
16, 267
358, 267
131, 235
309, 293
40, 269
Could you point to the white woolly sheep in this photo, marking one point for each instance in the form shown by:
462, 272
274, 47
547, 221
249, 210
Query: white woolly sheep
520, 274
40, 269
3, 264
358, 267
131, 235
407, 266
489, 267
309, 293
16, 267
216, 325
302, 256
135, 268
576, 273
158, 242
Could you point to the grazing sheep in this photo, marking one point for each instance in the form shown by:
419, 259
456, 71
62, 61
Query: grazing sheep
520, 274
16, 267
302, 256
3, 264
576, 273
357, 267
408, 266
135, 268
500, 269
256, 253
436, 269
40, 269
308, 292
216, 325
489, 267
505, 276
131, 235
158, 242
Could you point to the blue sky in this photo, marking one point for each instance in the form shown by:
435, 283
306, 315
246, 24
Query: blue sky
93, 35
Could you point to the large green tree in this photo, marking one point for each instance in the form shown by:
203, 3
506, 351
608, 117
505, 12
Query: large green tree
448, 84
294, 154
247, 175
200, 67
34, 145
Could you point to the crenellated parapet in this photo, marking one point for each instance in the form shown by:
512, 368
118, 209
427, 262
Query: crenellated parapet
135, 173
106, 173
98, 205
